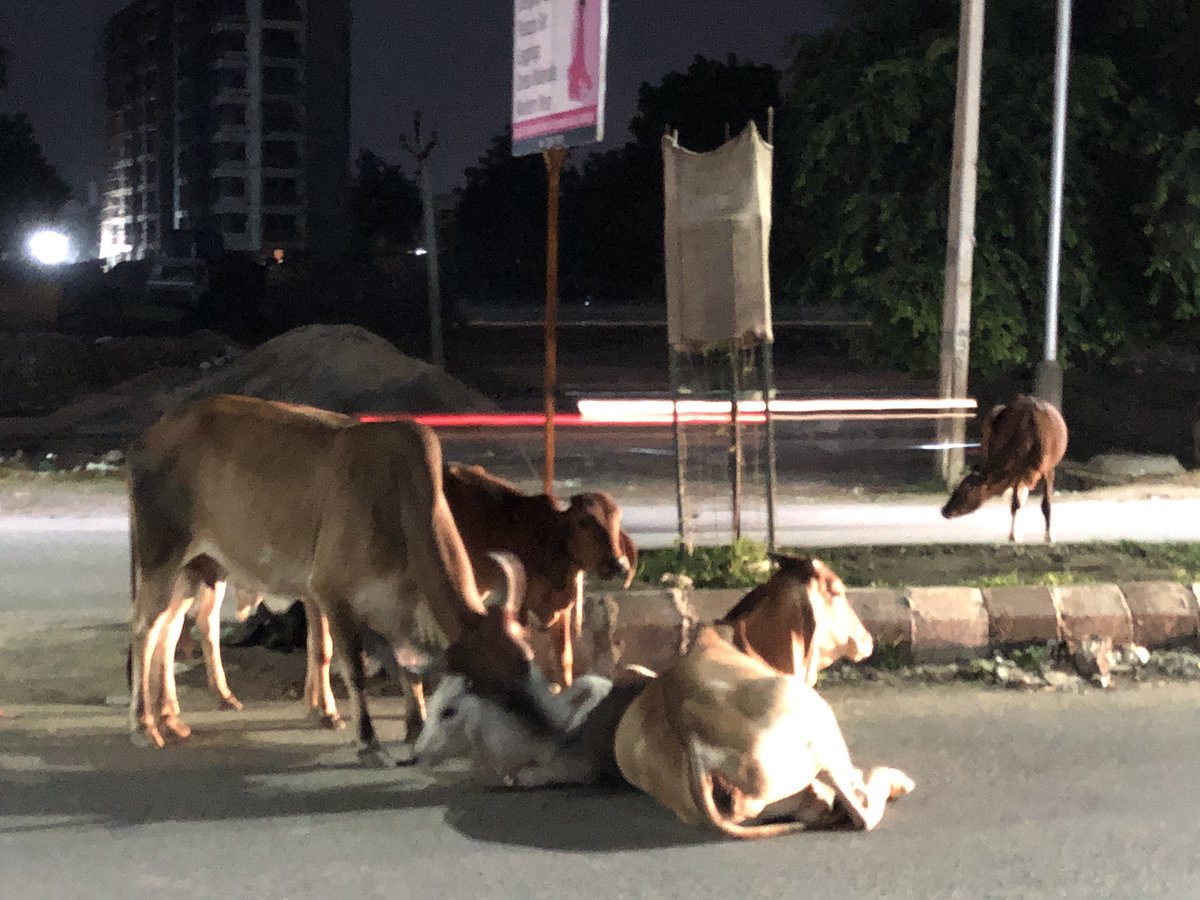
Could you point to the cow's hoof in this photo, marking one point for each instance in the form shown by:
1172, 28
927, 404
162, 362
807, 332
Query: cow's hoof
407, 755
174, 727
374, 758
147, 736
329, 721
230, 702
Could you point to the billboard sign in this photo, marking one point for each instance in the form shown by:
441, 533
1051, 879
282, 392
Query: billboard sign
559, 58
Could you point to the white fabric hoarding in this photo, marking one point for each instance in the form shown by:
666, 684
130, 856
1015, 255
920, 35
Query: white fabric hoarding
716, 231
559, 60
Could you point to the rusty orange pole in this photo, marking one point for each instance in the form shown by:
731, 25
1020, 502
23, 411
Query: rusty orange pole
554, 160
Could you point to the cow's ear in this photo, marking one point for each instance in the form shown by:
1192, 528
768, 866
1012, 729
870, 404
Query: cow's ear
630, 551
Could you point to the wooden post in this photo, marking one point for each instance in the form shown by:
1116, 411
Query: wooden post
554, 160
960, 238
685, 537
735, 440
768, 390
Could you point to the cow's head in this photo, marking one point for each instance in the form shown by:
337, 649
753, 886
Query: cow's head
968, 496
492, 653
829, 627
450, 712
594, 539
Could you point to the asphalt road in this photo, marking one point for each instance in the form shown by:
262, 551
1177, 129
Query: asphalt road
1018, 796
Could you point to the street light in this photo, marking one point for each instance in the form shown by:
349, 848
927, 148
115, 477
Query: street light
48, 247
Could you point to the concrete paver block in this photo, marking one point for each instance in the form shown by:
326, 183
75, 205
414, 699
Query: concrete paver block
948, 623
1164, 613
1021, 613
884, 613
1093, 609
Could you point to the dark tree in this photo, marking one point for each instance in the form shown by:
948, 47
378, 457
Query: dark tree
499, 249
385, 204
31, 190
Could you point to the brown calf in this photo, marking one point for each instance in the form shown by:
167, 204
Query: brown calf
1022, 442
556, 547
799, 621
294, 501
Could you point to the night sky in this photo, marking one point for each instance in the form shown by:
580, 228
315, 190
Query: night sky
431, 55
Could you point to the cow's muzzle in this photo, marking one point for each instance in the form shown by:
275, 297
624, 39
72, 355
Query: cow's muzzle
617, 567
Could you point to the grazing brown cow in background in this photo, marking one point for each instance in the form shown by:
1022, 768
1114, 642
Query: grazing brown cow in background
800, 621
556, 547
1022, 442
292, 501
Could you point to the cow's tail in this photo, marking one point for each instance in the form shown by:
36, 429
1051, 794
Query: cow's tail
700, 781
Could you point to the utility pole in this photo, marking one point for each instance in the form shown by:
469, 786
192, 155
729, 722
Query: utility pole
553, 157
1048, 382
424, 172
960, 238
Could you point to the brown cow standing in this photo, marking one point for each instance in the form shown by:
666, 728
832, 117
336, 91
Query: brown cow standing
293, 501
1022, 442
556, 547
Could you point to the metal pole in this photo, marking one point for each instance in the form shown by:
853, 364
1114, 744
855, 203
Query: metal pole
421, 155
960, 237
768, 390
437, 350
1049, 373
554, 160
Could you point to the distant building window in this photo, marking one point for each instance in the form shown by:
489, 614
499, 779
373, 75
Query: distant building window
279, 115
279, 227
282, 10
280, 190
235, 8
231, 79
280, 42
280, 154
231, 114
231, 151
279, 80
234, 223
231, 187
231, 40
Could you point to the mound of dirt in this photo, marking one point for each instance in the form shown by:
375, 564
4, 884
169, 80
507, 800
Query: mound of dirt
339, 367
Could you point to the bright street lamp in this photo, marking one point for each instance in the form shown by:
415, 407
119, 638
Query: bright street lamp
50, 248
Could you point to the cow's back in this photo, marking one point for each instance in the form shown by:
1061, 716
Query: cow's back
241, 479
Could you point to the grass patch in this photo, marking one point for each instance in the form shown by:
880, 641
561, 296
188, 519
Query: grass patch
972, 565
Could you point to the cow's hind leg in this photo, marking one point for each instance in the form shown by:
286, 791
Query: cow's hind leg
414, 714
1047, 494
208, 617
151, 609
1019, 494
564, 651
169, 722
347, 636
318, 692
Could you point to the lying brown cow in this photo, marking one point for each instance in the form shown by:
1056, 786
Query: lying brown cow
1022, 442
721, 738
294, 501
556, 547
799, 621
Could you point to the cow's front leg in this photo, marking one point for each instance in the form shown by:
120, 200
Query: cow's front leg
318, 692
564, 651
348, 638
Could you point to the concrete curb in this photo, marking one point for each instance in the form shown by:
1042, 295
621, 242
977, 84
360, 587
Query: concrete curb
917, 624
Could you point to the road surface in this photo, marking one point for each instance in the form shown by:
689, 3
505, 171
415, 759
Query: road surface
1018, 796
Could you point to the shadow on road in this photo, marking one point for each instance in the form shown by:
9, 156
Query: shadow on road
88, 775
